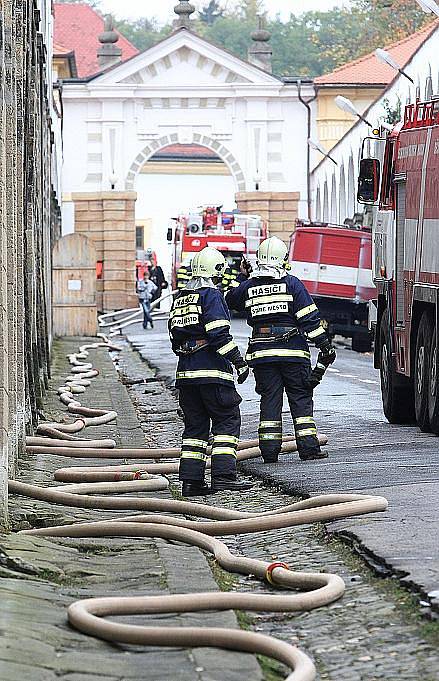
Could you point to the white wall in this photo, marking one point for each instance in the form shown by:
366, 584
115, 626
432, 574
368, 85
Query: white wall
347, 151
162, 197
253, 121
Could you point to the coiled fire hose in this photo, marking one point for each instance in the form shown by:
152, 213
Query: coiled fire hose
94, 484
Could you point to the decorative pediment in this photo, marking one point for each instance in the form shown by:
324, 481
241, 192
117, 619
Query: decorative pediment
182, 66
185, 59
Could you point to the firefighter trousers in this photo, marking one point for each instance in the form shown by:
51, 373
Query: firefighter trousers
209, 408
271, 382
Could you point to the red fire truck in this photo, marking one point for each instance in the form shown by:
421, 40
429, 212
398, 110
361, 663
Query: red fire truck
233, 234
402, 187
335, 264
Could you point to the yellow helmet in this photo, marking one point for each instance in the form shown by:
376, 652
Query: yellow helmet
208, 263
273, 252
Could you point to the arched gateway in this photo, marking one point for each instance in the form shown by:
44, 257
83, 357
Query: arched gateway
182, 91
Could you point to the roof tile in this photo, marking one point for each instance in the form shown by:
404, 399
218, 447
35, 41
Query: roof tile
77, 27
368, 70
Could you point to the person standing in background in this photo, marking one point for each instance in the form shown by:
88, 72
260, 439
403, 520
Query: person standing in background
145, 292
156, 275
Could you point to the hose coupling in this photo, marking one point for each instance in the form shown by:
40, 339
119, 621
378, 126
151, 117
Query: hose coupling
269, 571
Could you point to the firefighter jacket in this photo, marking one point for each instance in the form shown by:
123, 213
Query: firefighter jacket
229, 279
283, 317
199, 327
183, 275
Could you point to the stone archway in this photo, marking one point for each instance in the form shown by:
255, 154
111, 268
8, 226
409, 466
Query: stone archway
202, 140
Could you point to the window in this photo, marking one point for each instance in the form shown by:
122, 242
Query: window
140, 238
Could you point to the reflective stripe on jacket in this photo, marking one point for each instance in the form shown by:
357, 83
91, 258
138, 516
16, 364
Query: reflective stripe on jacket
197, 315
278, 302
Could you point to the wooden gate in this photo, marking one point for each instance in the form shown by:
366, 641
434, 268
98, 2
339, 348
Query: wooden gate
74, 286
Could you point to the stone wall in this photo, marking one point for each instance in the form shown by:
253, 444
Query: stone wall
108, 219
29, 225
279, 209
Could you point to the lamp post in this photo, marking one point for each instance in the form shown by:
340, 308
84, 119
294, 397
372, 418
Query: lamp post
317, 147
346, 105
386, 58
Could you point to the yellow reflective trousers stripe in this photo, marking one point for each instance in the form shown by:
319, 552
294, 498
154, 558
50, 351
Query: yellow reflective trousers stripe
304, 419
277, 352
204, 373
306, 432
269, 424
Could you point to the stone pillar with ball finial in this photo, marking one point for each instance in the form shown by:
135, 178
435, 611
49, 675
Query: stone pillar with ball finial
109, 53
184, 10
260, 52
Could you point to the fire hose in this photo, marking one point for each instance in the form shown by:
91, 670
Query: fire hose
94, 487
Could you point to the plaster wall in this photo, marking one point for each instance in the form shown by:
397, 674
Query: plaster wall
333, 187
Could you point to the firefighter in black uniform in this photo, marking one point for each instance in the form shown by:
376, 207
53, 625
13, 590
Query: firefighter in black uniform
230, 275
199, 327
183, 275
283, 317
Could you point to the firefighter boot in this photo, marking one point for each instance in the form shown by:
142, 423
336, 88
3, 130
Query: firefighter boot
312, 456
195, 488
229, 482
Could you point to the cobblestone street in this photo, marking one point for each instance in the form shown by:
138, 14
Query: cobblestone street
40, 577
385, 636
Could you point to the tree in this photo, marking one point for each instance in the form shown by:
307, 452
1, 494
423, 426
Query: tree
143, 33
250, 10
210, 12
387, 21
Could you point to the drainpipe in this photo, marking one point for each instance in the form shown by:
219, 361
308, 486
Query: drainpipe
306, 103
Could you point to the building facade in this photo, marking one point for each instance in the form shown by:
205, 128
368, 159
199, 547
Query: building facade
363, 81
182, 91
30, 177
334, 180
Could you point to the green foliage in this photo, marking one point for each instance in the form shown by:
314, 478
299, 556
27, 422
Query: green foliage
210, 12
308, 44
393, 114
143, 33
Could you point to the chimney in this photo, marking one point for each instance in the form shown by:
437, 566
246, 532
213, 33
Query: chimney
109, 54
260, 52
184, 11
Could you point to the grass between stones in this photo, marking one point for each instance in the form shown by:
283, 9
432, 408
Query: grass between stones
271, 669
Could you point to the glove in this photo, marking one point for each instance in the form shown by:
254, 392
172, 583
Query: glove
327, 354
316, 377
242, 370
246, 267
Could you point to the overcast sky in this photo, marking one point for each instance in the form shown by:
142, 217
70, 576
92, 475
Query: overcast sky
163, 9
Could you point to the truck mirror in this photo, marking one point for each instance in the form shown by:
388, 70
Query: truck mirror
369, 180
169, 236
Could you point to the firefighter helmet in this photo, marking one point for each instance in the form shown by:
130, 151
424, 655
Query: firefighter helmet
273, 252
208, 263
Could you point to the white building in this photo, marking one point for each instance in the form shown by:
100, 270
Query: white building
184, 90
334, 185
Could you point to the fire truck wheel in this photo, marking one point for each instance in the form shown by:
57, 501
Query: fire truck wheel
422, 372
433, 388
396, 390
